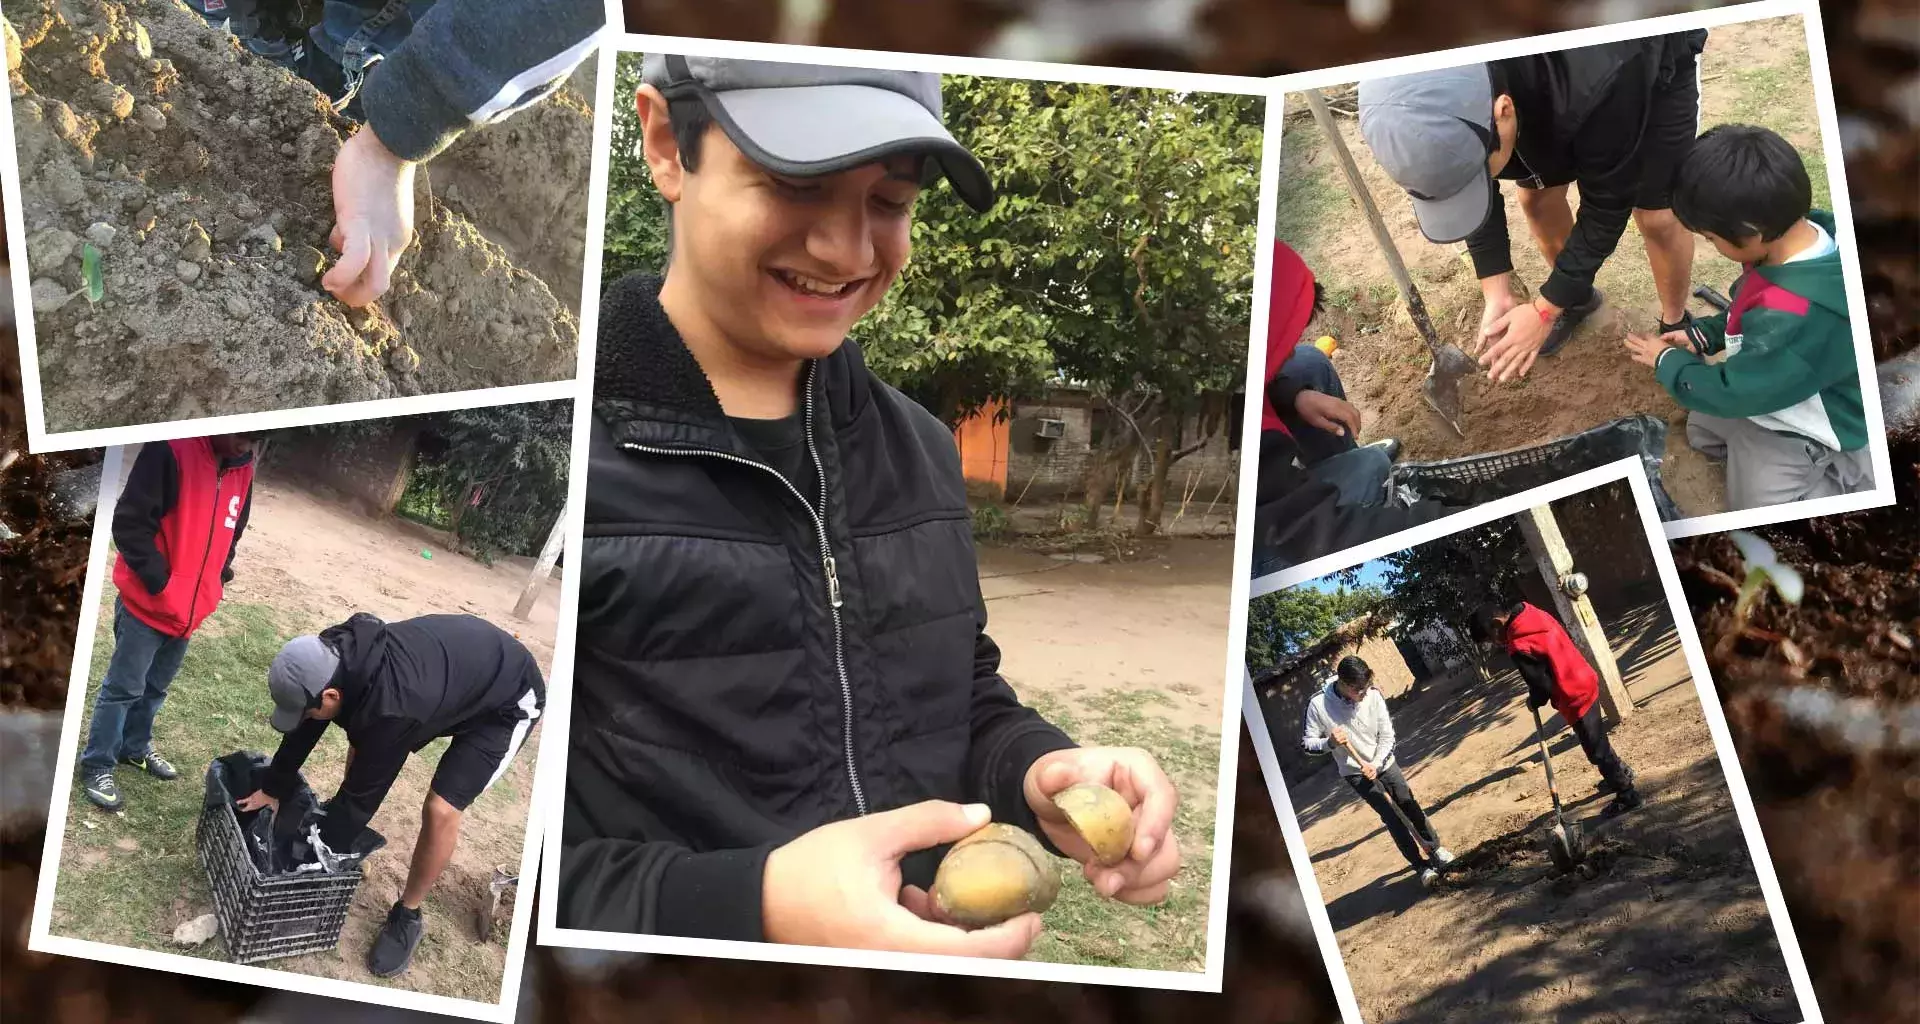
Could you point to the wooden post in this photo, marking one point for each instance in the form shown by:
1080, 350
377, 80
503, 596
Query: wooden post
1542, 531
543, 568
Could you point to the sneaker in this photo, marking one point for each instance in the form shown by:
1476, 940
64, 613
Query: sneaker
104, 793
1429, 877
153, 764
1386, 444
393, 948
1443, 856
1626, 801
1570, 318
1607, 785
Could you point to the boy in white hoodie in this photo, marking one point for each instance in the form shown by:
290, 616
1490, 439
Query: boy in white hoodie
1350, 715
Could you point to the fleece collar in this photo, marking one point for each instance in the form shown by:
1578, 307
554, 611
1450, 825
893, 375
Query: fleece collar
649, 389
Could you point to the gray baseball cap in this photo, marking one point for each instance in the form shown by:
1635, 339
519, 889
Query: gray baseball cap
808, 120
1431, 132
303, 668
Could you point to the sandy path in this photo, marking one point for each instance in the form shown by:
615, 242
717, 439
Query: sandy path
1157, 624
1674, 927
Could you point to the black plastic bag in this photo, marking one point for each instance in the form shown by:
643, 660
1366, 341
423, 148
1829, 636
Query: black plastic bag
1477, 479
279, 843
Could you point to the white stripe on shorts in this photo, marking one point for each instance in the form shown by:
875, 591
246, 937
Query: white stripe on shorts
530, 710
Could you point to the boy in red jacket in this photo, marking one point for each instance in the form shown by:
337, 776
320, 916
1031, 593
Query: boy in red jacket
176, 524
1557, 674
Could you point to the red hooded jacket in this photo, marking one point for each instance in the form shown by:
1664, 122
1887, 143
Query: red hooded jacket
1537, 634
1289, 309
193, 540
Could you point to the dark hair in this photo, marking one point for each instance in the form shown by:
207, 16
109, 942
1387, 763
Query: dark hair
1319, 298
1354, 670
689, 118
1482, 623
1741, 181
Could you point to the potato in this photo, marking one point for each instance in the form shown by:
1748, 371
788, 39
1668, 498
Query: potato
1102, 817
997, 873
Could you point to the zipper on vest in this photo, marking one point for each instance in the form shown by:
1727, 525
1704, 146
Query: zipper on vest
193, 604
829, 568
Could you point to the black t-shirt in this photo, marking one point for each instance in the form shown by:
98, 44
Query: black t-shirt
782, 444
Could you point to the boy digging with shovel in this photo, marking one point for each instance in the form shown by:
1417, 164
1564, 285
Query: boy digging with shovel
1351, 714
1557, 674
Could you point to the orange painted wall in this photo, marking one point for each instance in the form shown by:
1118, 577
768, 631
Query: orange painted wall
982, 441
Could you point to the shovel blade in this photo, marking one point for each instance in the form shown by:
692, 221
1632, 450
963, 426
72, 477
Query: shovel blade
1442, 386
1564, 846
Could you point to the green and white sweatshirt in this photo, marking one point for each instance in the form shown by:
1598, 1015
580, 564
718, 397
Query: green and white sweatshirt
1790, 366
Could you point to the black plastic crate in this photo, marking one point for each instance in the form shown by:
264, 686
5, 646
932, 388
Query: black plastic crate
264, 917
1476, 479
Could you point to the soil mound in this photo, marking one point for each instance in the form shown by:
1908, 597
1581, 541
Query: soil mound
201, 177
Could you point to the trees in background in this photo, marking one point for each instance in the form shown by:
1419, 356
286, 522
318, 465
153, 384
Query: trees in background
494, 478
1119, 256
1281, 624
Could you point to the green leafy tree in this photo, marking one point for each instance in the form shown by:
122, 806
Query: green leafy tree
636, 231
1281, 624
1125, 231
1439, 583
495, 478
1119, 256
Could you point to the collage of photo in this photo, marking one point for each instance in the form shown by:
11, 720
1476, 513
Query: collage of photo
494, 499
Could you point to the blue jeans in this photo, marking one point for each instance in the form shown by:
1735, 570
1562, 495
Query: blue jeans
143, 665
1311, 367
1359, 474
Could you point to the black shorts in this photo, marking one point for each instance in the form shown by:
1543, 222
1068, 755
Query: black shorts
482, 750
1673, 121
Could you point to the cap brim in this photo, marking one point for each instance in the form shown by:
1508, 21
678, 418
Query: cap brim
1452, 219
287, 719
824, 129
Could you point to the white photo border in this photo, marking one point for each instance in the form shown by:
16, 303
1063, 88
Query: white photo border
41, 441
551, 780
40, 937
1882, 493
1627, 469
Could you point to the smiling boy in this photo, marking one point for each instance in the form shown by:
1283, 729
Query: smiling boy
786, 698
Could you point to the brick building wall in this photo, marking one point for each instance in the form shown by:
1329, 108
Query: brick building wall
1284, 696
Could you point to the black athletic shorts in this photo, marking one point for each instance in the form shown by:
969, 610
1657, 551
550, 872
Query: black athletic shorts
1673, 122
483, 748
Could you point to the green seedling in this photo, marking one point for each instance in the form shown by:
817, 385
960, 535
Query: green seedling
90, 269
1763, 568
95, 287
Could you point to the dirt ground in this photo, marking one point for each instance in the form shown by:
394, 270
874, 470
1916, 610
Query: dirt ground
1835, 791
1753, 72
202, 177
1159, 624
1672, 928
315, 562
1125, 654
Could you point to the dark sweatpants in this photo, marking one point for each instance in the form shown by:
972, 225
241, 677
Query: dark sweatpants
1592, 734
1396, 786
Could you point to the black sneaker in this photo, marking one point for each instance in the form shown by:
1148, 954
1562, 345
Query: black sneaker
393, 948
1623, 803
102, 790
1696, 338
1570, 318
1607, 785
153, 764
